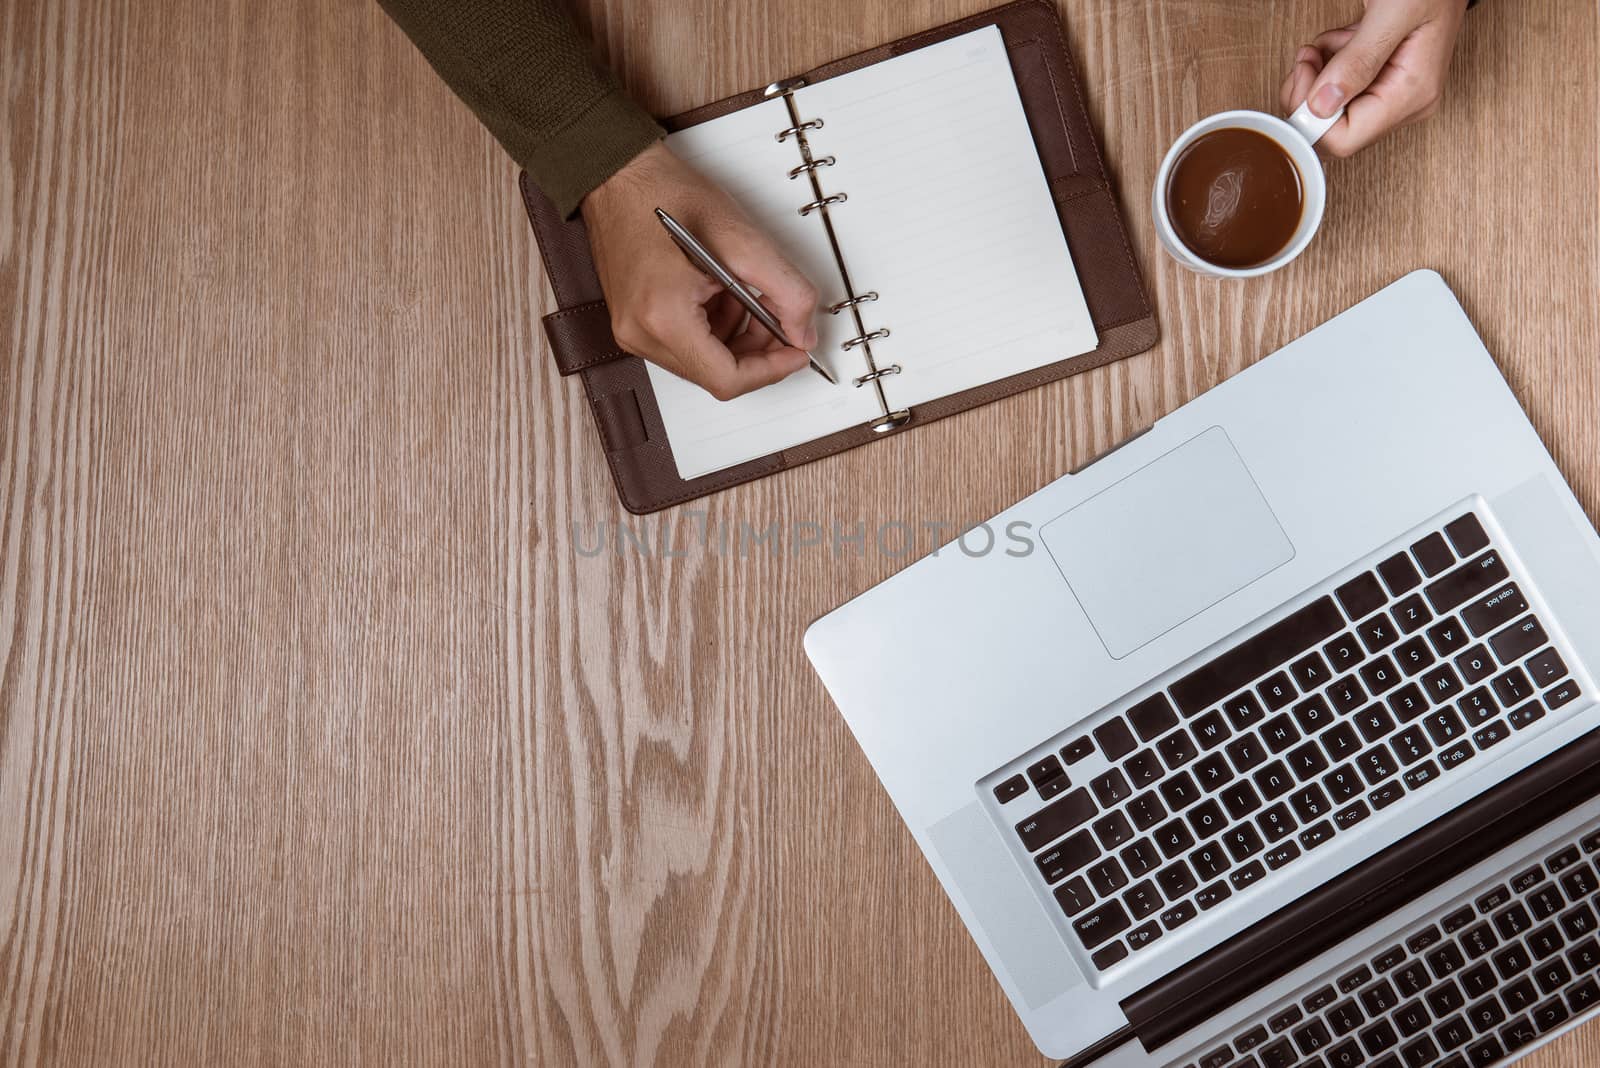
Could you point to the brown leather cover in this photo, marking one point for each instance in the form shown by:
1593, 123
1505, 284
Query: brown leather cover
618, 388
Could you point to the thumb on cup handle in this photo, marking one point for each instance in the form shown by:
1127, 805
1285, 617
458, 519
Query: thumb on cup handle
1311, 126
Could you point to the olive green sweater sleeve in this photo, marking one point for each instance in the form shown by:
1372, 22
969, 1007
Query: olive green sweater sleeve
527, 73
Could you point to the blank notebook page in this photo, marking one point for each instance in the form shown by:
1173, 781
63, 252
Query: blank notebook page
948, 218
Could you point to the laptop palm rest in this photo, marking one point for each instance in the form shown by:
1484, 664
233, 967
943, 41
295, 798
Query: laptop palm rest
1167, 542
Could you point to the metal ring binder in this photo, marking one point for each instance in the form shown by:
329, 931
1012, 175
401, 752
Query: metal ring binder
831, 198
825, 161
871, 376
862, 339
892, 418
865, 298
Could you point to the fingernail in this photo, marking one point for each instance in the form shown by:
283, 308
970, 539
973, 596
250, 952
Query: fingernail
810, 340
1327, 100
1307, 54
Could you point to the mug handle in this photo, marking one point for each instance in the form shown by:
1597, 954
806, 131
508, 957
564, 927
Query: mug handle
1310, 126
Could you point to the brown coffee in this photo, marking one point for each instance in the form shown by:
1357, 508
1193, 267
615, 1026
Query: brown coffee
1234, 197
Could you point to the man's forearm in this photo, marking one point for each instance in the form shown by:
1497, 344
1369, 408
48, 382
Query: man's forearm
530, 77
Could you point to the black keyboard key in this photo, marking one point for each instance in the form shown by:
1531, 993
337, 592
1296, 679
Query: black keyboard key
1215, 1059
1341, 741
1074, 896
1413, 655
1279, 733
1256, 656
1051, 787
1550, 1015
1433, 554
1441, 684
1478, 705
1446, 960
1380, 675
1011, 789
1243, 877
1319, 999
1444, 726
1281, 1054
1055, 820
1379, 998
1547, 667
1453, 1032
1519, 995
1454, 921
1518, 1033
1412, 978
1179, 792
1143, 768
1243, 710
1485, 1015
1240, 799
1476, 576
1345, 1017
1512, 686
1445, 999
1420, 1053
1282, 1021
1142, 899
1493, 899
1152, 717
1210, 860
1310, 673
1113, 830
1411, 1018
1276, 822
1344, 652
1583, 997
1274, 780
1511, 961
1310, 803
1347, 694
1374, 723
1110, 788
1492, 735
1077, 749
1545, 941
1408, 702
1389, 959
1206, 819
1518, 640
1411, 614
1478, 981
1105, 922
1561, 694
1552, 975
1147, 810
1343, 783
1312, 1037
1355, 980
1485, 1052
1313, 715
1447, 637
1376, 764
1526, 716
1361, 595
1211, 896
1512, 920
1494, 609
1346, 1054
1411, 745
1577, 883
1379, 1037
1399, 574
1545, 902
1176, 881
1425, 939
1067, 856
1174, 838
1467, 535
1107, 876
1140, 858
1213, 773
1246, 752
1474, 665
1378, 633
1177, 748
1479, 940
1527, 880
1251, 1039
1178, 915
1211, 730
1110, 955
1116, 740
1386, 795
1578, 922
1243, 842
1351, 815
1276, 690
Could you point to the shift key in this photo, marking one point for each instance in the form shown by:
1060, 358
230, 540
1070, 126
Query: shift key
1056, 819
1469, 580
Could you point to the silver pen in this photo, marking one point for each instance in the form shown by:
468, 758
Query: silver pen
702, 258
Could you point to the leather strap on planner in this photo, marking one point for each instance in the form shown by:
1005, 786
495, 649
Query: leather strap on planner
618, 387
1371, 890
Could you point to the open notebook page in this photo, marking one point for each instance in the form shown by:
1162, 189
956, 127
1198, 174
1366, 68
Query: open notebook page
740, 152
950, 219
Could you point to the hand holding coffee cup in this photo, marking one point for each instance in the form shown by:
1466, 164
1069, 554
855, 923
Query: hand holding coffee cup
1242, 193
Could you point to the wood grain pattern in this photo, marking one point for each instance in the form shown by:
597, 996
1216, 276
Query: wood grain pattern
325, 735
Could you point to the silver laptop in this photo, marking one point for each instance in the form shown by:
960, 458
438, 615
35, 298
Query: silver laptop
1265, 740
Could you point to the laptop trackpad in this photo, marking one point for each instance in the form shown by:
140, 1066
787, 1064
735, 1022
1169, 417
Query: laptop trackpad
1167, 542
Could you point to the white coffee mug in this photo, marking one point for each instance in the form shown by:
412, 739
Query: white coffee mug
1295, 135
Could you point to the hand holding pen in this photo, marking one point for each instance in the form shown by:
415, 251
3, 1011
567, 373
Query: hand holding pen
666, 309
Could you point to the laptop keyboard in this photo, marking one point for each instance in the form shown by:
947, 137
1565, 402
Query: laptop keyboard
1477, 982
1205, 788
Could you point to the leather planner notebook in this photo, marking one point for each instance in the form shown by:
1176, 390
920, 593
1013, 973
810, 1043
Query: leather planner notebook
946, 196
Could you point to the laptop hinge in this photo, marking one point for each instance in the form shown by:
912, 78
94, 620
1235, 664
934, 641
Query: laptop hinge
1371, 890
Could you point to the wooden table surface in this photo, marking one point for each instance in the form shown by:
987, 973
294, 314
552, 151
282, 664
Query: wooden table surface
326, 738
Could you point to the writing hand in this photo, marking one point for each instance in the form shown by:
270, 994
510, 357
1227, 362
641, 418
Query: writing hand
664, 309
1387, 69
